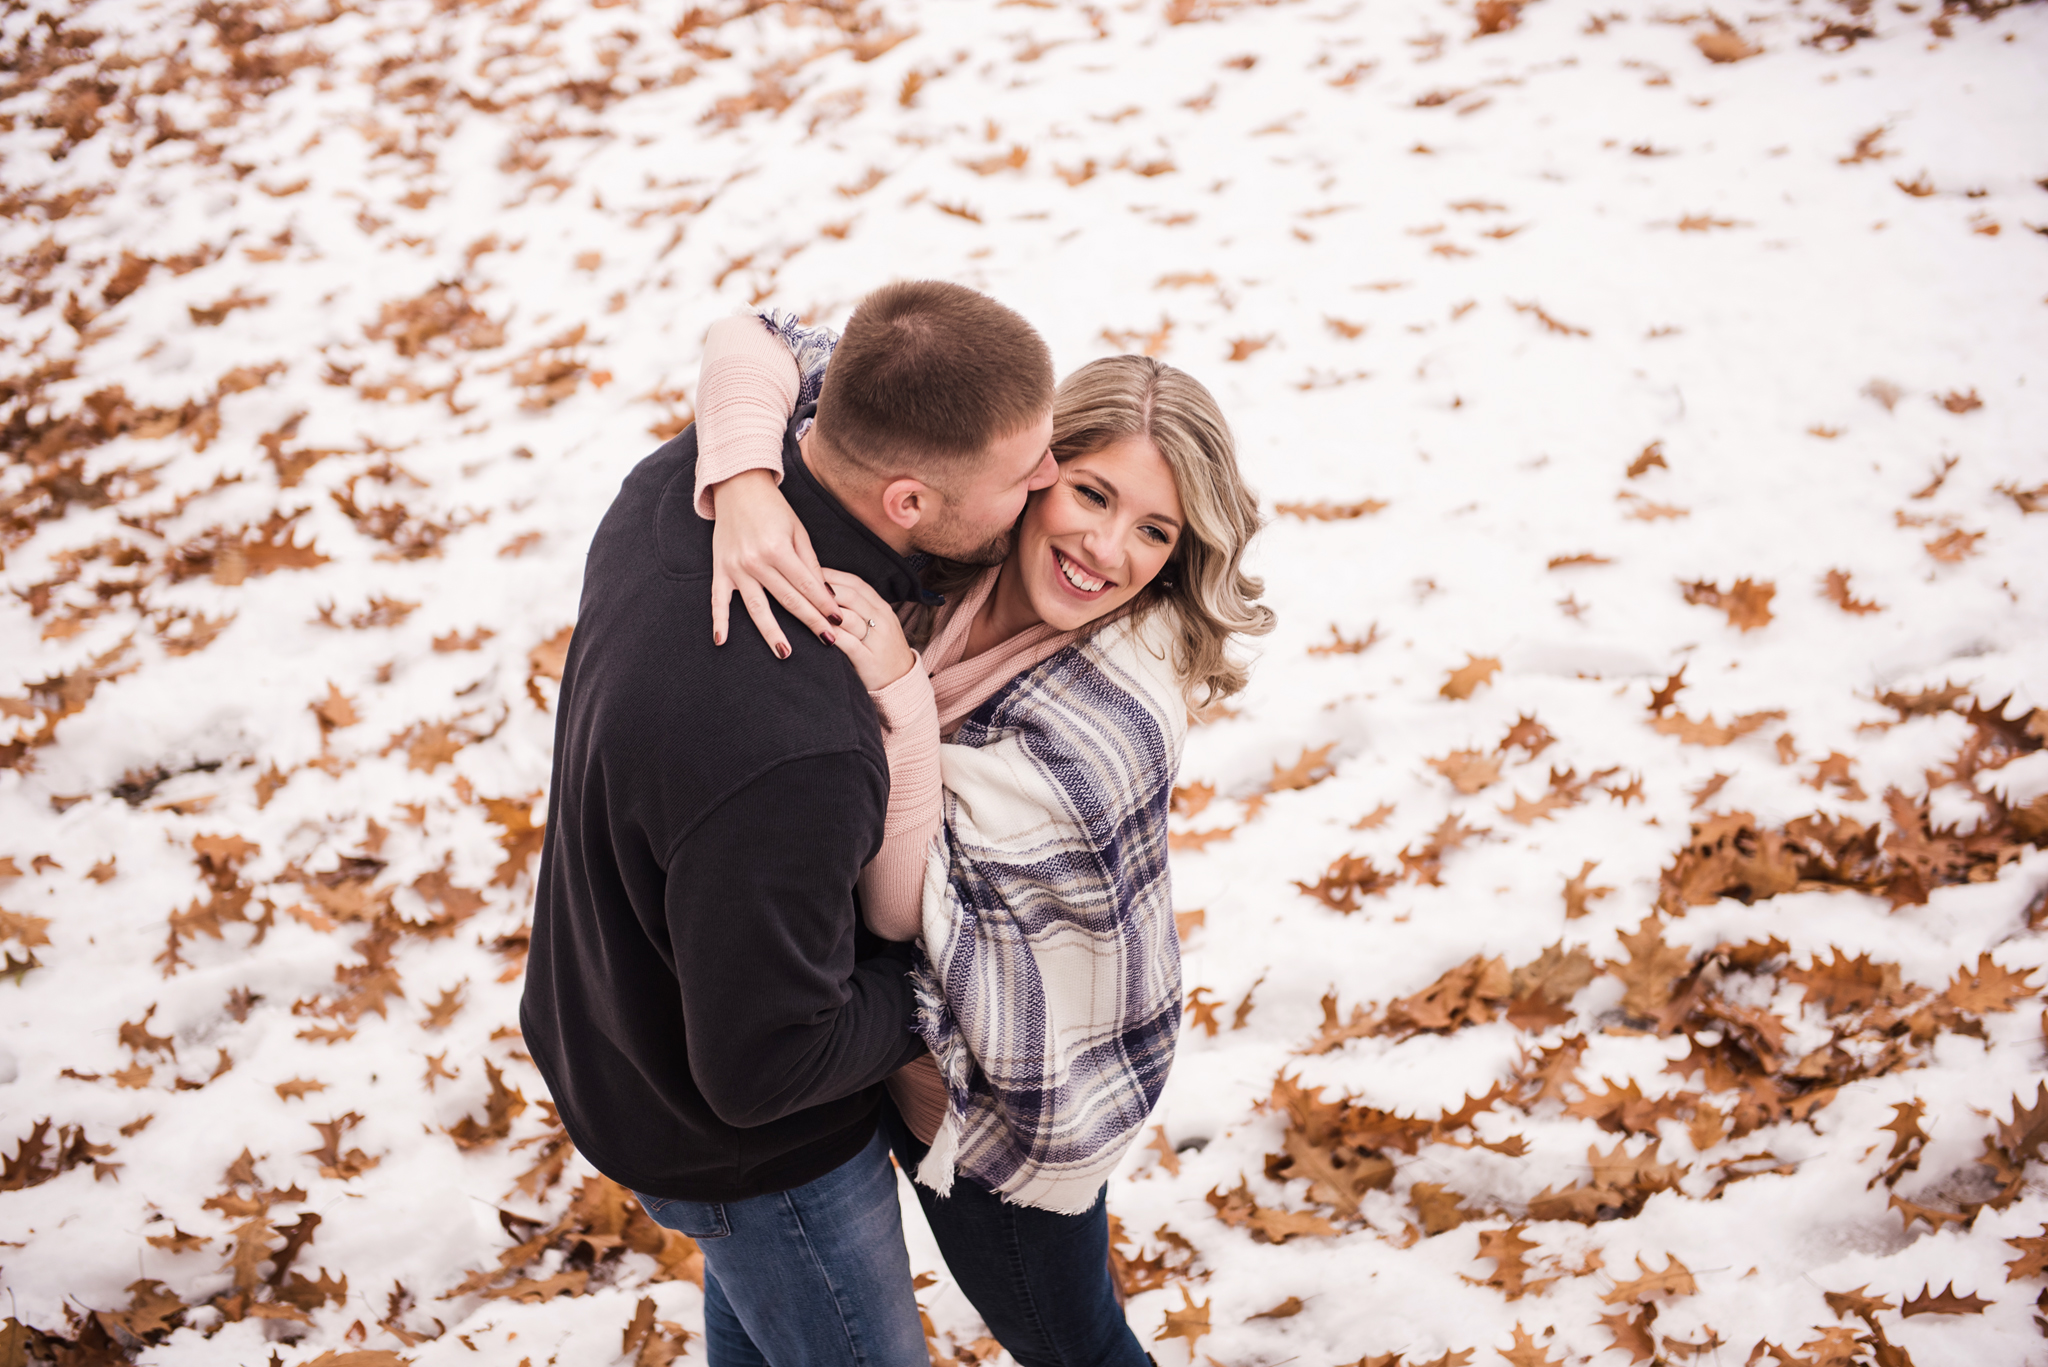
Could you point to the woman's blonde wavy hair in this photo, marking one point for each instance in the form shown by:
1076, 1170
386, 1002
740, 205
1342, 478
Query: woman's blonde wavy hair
1204, 582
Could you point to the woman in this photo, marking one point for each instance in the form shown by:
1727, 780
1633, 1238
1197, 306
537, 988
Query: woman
1060, 682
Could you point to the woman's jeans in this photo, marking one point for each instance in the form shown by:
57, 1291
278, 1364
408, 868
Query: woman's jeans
816, 1276
1040, 1278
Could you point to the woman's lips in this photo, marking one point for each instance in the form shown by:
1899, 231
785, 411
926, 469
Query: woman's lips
1064, 567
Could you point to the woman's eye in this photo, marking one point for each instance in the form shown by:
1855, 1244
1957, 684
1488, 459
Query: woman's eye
1092, 495
1159, 538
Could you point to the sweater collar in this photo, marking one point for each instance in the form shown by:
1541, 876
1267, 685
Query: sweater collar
840, 539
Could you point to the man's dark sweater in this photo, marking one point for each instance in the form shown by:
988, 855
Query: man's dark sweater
700, 995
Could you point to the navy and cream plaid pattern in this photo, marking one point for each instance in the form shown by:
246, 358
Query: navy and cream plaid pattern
1050, 992
812, 350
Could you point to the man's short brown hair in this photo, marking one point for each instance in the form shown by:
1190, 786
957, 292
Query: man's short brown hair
928, 375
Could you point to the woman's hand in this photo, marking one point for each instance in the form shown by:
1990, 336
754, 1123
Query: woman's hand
871, 636
759, 548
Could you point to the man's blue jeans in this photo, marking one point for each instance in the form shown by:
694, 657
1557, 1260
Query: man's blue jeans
816, 1276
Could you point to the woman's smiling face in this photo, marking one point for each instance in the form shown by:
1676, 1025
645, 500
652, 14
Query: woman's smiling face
1091, 541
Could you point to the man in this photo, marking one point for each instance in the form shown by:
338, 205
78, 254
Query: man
708, 1013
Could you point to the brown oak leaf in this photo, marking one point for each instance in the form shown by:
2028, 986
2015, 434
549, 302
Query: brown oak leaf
1311, 768
1468, 770
1439, 1207
1632, 1333
1855, 1303
1578, 897
1512, 1275
1467, 678
1349, 879
1526, 1352
499, 1109
1747, 602
1989, 987
1189, 1322
521, 839
1675, 1280
1651, 970
2033, 1259
1947, 1302
1835, 588
1709, 732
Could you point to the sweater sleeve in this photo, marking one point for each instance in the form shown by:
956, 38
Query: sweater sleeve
892, 883
778, 1013
747, 388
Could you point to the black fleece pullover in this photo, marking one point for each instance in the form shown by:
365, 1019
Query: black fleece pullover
709, 1013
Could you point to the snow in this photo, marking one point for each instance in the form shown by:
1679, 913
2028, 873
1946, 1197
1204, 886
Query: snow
1789, 351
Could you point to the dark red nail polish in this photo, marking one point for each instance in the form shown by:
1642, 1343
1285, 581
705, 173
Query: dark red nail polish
716, 639
834, 619
782, 652
826, 637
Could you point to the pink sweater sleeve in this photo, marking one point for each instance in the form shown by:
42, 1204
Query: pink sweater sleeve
746, 390
892, 885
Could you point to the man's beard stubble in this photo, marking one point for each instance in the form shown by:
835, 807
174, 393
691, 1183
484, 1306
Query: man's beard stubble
945, 543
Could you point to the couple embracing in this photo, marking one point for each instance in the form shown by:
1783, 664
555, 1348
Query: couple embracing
888, 873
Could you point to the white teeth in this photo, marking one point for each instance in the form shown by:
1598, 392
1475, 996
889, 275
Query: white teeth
1076, 577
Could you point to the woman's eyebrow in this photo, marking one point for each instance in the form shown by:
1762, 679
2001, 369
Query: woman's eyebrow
1156, 517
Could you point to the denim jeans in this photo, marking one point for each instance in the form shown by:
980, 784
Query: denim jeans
816, 1276
1039, 1278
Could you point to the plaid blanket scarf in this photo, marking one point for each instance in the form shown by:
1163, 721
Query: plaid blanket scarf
1050, 991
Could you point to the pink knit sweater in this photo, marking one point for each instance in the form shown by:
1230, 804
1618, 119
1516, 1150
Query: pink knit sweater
746, 391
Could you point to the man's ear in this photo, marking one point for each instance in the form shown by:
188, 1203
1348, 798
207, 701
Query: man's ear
906, 501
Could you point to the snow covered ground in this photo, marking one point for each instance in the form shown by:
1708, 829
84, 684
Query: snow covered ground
1571, 348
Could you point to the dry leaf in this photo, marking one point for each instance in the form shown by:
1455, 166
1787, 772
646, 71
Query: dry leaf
1468, 677
1527, 1353
1339, 644
333, 1162
1955, 546
1651, 969
441, 1013
1468, 770
1509, 1251
1349, 879
1189, 1322
1577, 896
1161, 1145
1724, 45
1329, 512
500, 1107
1439, 1207
1632, 1333
1709, 732
1528, 735
1835, 588
1747, 603
1989, 987
2033, 1259
1946, 1303
1855, 1303
521, 839
1311, 768
1675, 1280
